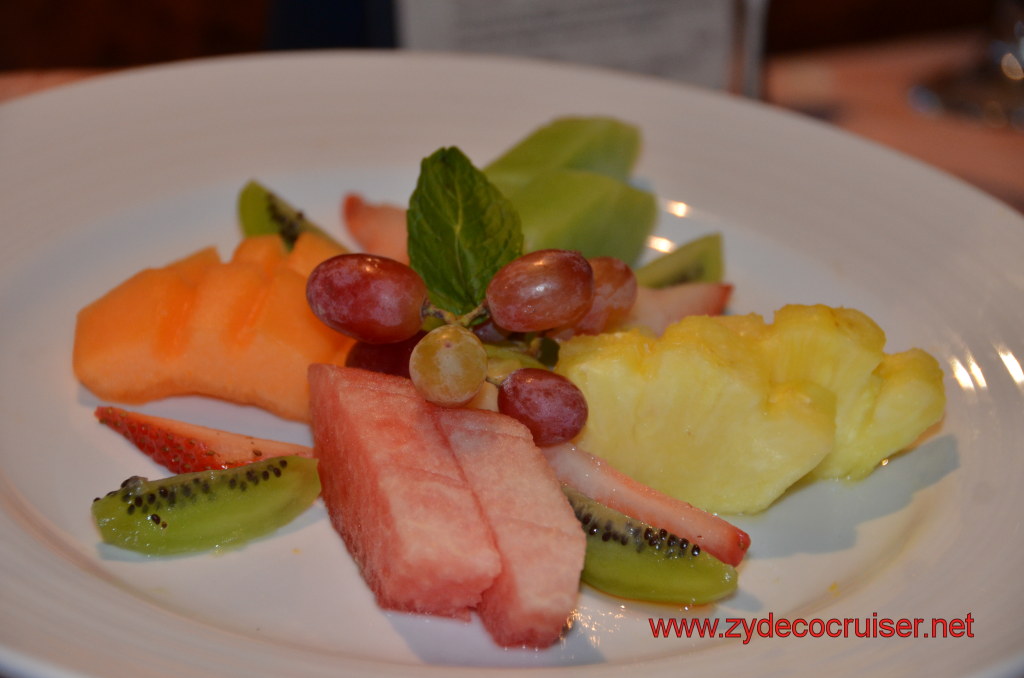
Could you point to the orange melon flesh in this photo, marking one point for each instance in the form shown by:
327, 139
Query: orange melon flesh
214, 362
127, 342
265, 251
536, 532
193, 267
284, 328
396, 494
239, 330
309, 250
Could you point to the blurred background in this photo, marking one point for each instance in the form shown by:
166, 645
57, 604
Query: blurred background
904, 73
112, 33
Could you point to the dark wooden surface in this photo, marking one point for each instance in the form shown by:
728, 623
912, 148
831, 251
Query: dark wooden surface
112, 33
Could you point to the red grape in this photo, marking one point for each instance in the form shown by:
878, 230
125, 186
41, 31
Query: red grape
541, 290
368, 297
614, 295
550, 405
490, 333
387, 358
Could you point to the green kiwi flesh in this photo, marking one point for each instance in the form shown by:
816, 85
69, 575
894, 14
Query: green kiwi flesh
262, 212
206, 510
698, 260
632, 559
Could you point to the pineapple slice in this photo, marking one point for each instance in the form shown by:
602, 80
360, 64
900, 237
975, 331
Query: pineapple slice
727, 412
884, 402
696, 414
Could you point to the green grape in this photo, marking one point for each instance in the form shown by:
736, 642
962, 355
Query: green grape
448, 365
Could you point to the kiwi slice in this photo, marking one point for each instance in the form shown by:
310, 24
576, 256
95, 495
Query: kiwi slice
699, 260
262, 212
200, 511
632, 559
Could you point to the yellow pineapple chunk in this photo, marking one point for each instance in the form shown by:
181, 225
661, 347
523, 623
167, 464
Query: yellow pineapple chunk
696, 414
727, 412
884, 402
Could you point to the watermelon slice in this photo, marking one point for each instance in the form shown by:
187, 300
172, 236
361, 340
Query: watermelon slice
396, 494
537, 534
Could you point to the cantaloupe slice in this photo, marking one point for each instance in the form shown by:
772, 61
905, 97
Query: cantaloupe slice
128, 341
309, 251
193, 267
239, 330
265, 251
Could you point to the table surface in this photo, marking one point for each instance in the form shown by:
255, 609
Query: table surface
866, 91
863, 89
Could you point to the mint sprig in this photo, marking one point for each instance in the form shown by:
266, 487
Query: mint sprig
461, 230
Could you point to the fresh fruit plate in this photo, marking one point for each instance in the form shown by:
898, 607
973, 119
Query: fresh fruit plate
912, 571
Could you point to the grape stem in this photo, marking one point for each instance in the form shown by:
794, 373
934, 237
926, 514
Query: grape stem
449, 318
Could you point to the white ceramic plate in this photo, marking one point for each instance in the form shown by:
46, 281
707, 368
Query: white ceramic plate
102, 178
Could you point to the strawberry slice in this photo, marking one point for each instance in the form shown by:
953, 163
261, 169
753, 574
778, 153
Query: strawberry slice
598, 480
379, 228
656, 309
184, 447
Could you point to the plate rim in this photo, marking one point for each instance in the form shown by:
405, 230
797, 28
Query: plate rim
119, 79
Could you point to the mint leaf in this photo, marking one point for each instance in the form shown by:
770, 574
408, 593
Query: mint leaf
461, 230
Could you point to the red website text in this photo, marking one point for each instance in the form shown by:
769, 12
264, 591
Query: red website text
771, 626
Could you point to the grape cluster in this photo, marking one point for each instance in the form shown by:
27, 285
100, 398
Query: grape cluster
385, 306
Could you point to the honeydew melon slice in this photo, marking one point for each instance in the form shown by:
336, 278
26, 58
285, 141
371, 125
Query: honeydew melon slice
570, 182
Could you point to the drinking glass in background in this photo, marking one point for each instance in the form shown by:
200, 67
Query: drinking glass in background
712, 43
750, 24
990, 89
